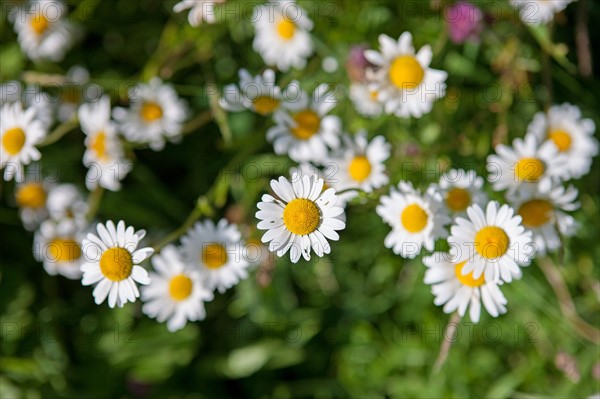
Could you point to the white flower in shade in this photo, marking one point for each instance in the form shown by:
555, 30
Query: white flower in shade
200, 10
217, 251
176, 293
304, 130
104, 155
571, 134
521, 167
301, 217
58, 245
493, 243
365, 100
31, 198
359, 165
461, 189
111, 261
538, 12
19, 133
282, 37
257, 93
156, 113
457, 291
543, 213
43, 30
416, 219
29, 96
65, 203
403, 80
308, 169
73, 90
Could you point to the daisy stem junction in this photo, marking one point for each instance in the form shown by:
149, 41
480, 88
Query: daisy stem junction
447, 341
59, 132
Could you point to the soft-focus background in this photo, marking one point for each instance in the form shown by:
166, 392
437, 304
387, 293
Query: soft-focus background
359, 323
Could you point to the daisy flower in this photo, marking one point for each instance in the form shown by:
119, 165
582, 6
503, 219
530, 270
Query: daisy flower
29, 96
571, 134
58, 245
31, 196
457, 291
104, 155
19, 133
365, 100
543, 213
493, 243
200, 10
65, 203
417, 220
156, 113
538, 12
461, 189
111, 262
259, 93
320, 171
175, 294
301, 217
72, 92
217, 252
304, 130
525, 164
282, 37
403, 80
44, 31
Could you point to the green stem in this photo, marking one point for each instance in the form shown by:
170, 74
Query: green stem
94, 202
59, 132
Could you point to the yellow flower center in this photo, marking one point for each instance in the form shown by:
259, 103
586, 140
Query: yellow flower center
39, 24
286, 28
151, 111
529, 169
301, 216
536, 212
64, 250
307, 124
467, 279
214, 256
31, 195
458, 199
180, 287
491, 242
414, 218
359, 168
116, 264
561, 138
373, 94
265, 105
406, 72
13, 140
98, 145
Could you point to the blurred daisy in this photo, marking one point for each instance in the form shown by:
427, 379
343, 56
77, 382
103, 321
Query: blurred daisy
156, 113
58, 245
403, 80
217, 251
301, 217
543, 212
31, 198
282, 37
304, 130
200, 10
257, 93
571, 134
44, 31
308, 169
19, 133
365, 100
461, 189
457, 291
65, 203
29, 96
175, 293
111, 261
417, 220
72, 92
524, 165
104, 155
493, 243
537, 12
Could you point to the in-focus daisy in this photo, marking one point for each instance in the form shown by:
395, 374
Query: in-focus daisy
365, 100
282, 37
30, 96
457, 291
537, 12
200, 10
304, 130
31, 198
521, 167
156, 113
19, 133
416, 219
104, 155
58, 245
111, 261
493, 243
66, 203
217, 252
301, 217
176, 293
461, 189
257, 93
571, 134
403, 80
543, 213
44, 31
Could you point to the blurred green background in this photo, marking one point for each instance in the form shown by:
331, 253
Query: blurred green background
359, 323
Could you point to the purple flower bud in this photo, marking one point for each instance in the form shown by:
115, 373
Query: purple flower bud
357, 63
464, 21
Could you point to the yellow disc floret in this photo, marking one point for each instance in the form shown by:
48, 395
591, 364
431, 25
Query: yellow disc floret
214, 255
151, 111
359, 168
491, 242
31, 195
536, 212
414, 218
307, 124
116, 264
458, 199
561, 138
529, 169
13, 140
64, 250
39, 24
301, 216
286, 28
467, 279
265, 105
405, 72
180, 287
98, 145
